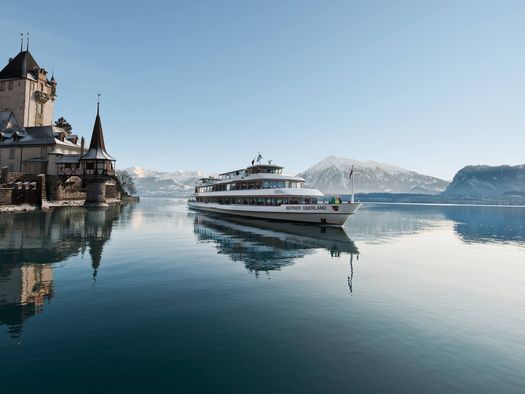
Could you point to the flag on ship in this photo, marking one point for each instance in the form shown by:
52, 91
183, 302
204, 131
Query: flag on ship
351, 173
259, 157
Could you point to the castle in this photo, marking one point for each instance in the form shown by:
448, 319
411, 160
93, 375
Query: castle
31, 145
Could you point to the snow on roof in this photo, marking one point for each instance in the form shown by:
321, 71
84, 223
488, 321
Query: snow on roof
7, 120
37, 135
68, 159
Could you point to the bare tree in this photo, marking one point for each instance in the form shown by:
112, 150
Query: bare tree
126, 182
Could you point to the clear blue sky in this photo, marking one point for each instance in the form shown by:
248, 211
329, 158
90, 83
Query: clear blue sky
428, 85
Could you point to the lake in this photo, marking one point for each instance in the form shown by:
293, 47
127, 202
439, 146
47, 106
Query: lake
150, 297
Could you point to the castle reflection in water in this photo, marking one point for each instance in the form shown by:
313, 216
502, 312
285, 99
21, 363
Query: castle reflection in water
29, 245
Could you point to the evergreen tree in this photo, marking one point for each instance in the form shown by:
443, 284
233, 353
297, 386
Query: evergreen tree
63, 124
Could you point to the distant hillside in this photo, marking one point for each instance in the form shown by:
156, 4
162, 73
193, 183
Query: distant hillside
375, 181
331, 177
163, 184
487, 181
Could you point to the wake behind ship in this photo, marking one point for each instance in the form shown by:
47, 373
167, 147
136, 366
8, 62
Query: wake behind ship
263, 191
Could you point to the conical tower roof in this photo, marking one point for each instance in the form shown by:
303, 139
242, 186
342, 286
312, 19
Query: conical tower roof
19, 66
97, 148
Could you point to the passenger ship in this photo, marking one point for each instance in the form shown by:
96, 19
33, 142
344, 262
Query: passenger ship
263, 191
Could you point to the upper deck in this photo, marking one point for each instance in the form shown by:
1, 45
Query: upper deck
255, 169
259, 176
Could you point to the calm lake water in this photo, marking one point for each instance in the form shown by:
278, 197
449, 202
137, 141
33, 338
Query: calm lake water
152, 298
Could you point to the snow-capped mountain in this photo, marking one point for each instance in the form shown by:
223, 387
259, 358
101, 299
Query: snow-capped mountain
331, 176
163, 184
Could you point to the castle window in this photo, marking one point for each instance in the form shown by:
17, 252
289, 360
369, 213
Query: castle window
41, 87
43, 152
11, 153
32, 86
10, 85
2, 86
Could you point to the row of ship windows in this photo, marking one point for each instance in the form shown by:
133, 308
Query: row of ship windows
249, 186
264, 201
262, 170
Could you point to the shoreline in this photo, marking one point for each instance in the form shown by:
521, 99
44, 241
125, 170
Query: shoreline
47, 205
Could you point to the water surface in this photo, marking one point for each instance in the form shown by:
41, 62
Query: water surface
152, 298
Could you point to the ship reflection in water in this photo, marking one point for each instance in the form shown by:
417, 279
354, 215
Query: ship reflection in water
31, 243
264, 246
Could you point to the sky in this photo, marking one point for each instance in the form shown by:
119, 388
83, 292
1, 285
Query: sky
430, 86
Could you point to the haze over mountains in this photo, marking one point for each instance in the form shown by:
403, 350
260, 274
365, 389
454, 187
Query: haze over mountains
150, 183
331, 176
472, 184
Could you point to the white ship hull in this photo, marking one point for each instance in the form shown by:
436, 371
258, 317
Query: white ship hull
332, 214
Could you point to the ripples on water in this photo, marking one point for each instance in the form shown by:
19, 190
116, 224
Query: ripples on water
150, 297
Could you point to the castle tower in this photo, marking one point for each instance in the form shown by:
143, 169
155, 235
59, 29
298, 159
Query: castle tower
97, 167
26, 91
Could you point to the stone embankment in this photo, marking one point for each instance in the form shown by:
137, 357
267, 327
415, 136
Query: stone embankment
25, 192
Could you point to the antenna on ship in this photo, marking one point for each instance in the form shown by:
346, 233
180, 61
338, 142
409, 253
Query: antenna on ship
351, 277
351, 176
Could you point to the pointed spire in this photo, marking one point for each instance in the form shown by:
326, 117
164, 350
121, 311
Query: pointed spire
27, 44
97, 147
21, 42
97, 139
98, 103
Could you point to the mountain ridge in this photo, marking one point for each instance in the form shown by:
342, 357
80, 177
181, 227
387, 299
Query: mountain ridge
488, 181
472, 183
151, 183
331, 176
